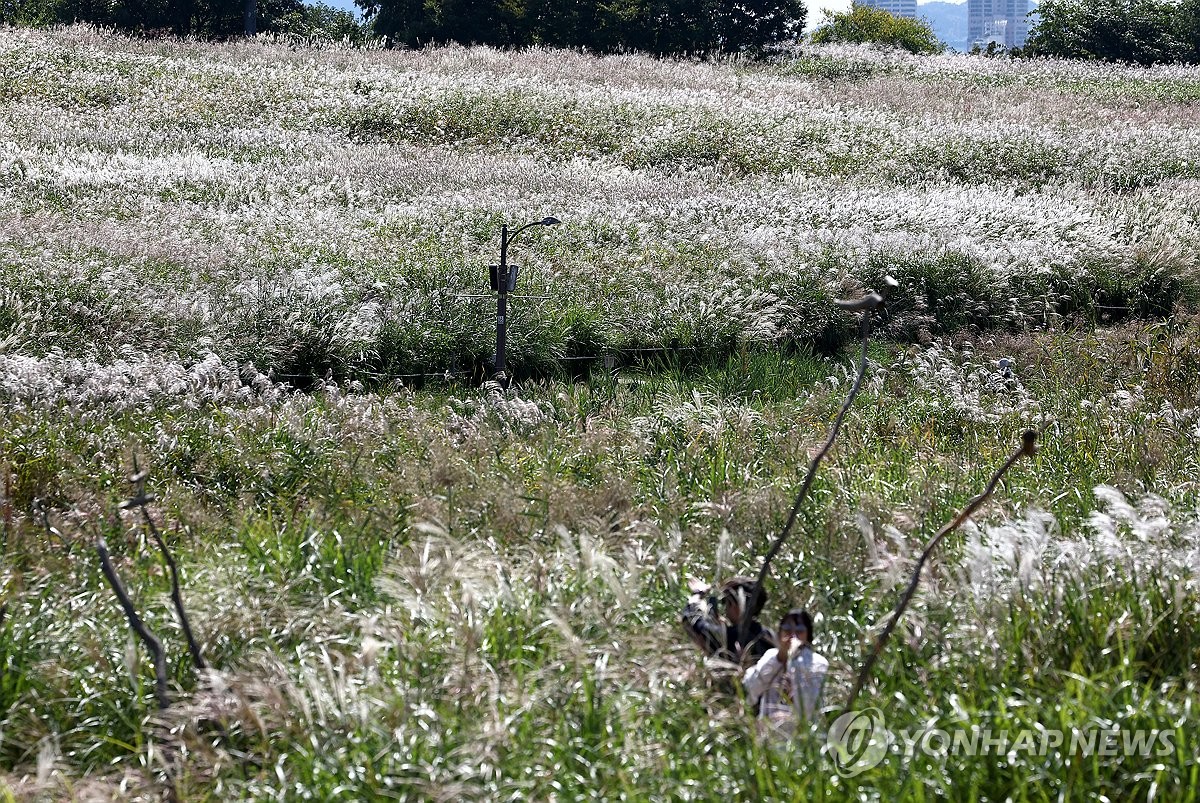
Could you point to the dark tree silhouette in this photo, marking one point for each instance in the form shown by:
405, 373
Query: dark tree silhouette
216, 19
1137, 31
664, 27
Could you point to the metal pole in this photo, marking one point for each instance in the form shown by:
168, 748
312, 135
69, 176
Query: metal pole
502, 308
504, 277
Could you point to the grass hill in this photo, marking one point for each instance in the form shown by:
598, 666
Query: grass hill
244, 313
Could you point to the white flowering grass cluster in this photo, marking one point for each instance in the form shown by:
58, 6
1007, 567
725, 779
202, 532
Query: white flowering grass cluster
78, 384
325, 212
1141, 538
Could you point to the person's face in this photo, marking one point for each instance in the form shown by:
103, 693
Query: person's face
793, 629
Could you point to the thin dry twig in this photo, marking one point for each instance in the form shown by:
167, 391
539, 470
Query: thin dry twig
864, 332
1026, 449
140, 500
144, 633
866, 306
6, 510
52, 532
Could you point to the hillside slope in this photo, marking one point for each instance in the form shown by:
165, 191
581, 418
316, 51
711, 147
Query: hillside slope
243, 287
352, 199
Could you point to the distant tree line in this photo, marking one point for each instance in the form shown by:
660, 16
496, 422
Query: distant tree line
663, 27
201, 18
1135, 31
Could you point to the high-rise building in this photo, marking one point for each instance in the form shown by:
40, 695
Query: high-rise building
897, 8
1000, 21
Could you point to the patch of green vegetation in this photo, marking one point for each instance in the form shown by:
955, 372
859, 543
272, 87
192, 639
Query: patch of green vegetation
524, 633
824, 67
494, 119
1133, 90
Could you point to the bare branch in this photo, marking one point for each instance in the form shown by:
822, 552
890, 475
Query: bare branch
1026, 449
864, 333
866, 306
6, 509
140, 500
144, 633
176, 595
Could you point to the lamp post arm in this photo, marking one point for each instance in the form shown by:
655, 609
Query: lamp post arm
506, 238
512, 235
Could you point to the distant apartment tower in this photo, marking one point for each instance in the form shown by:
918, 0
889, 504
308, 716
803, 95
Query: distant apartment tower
897, 8
999, 21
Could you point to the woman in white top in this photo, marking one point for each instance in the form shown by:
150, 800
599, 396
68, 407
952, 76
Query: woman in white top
786, 682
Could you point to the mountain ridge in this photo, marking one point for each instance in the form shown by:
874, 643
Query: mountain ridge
949, 21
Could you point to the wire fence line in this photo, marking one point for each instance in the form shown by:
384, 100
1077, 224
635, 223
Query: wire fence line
359, 375
610, 358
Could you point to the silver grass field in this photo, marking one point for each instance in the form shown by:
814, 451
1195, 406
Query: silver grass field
246, 268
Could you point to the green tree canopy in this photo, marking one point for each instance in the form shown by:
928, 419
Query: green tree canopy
1136, 31
204, 18
863, 24
695, 27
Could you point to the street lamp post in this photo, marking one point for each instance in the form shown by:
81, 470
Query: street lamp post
503, 282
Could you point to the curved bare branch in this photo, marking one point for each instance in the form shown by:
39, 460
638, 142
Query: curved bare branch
1028, 443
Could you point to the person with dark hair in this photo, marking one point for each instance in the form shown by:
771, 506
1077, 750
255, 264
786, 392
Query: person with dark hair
720, 636
785, 685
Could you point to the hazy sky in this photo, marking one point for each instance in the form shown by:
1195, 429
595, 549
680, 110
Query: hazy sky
815, 7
